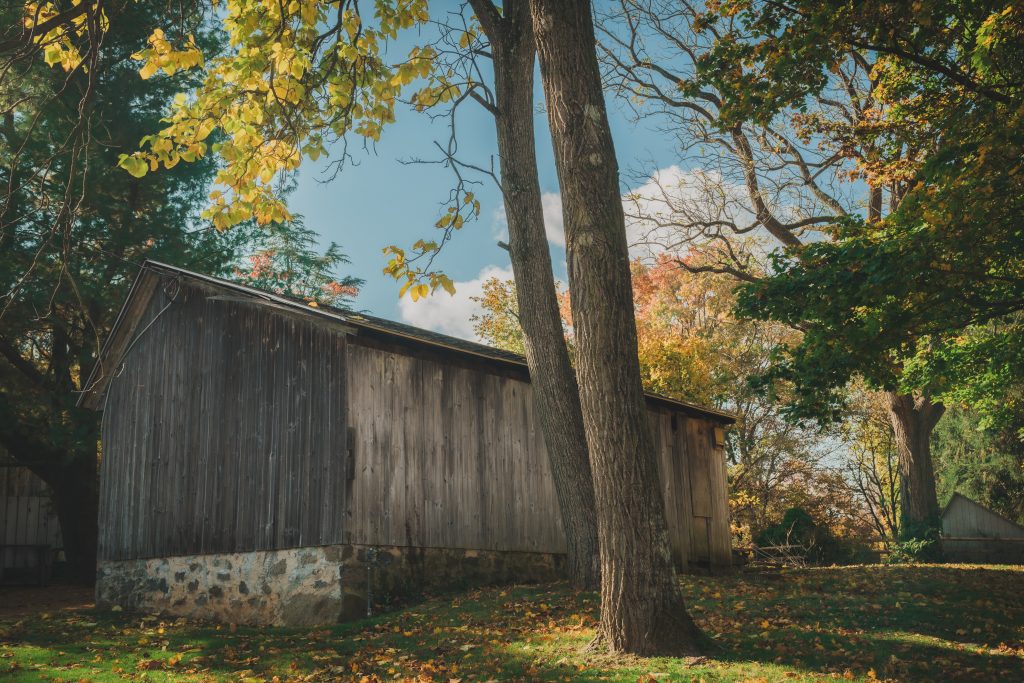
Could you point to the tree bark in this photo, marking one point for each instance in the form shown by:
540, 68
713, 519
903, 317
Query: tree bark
642, 609
76, 499
913, 418
554, 384
874, 203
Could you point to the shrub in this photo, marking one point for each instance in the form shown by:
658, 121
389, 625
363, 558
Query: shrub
917, 543
799, 528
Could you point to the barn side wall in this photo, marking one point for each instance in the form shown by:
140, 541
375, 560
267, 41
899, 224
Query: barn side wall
973, 533
240, 436
452, 456
965, 518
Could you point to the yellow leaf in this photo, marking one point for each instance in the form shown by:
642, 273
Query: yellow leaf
135, 166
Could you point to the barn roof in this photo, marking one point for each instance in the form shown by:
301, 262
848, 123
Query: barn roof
122, 333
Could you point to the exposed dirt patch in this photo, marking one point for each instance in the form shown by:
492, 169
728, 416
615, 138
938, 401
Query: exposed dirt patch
24, 601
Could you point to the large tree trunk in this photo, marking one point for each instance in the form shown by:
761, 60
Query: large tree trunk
76, 499
551, 374
642, 609
913, 418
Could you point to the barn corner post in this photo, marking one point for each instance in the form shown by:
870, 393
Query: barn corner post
510, 33
642, 609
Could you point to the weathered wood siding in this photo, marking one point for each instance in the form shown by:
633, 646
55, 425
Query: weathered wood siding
973, 533
447, 456
236, 425
450, 456
964, 518
26, 516
224, 431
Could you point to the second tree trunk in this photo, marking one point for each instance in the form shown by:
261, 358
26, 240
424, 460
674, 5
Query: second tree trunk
642, 609
551, 375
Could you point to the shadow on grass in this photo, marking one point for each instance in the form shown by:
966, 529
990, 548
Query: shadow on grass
899, 623
937, 622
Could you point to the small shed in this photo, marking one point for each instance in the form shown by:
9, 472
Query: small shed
29, 530
266, 461
973, 533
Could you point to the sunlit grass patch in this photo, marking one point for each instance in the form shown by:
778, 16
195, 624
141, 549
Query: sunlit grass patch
938, 622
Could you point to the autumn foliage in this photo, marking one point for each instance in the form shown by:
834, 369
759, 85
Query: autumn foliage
693, 348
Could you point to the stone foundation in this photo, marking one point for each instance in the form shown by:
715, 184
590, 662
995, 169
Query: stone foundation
307, 586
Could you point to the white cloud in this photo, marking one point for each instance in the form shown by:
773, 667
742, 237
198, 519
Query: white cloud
450, 314
675, 208
668, 194
553, 226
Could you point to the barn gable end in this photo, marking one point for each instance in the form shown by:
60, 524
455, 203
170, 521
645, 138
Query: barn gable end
268, 462
208, 431
973, 533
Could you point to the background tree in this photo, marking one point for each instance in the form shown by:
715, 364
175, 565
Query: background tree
984, 464
692, 347
74, 230
497, 324
285, 258
872, 461
917, 301
798, 111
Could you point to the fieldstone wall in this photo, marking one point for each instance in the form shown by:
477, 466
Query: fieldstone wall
306, 586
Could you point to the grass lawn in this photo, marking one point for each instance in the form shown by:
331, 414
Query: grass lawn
923, 623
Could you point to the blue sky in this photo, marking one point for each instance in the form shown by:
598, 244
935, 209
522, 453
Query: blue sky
380, 201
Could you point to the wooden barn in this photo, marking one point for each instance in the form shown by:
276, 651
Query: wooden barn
267, 461
973, 533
